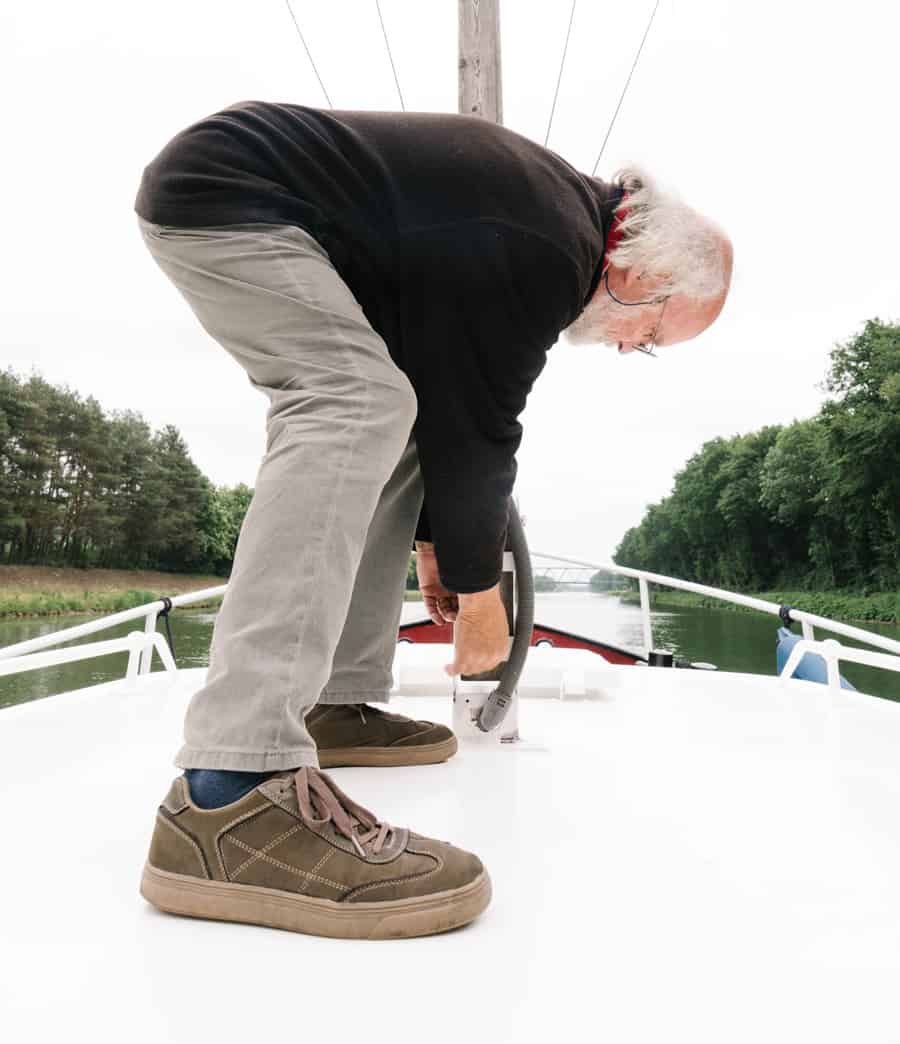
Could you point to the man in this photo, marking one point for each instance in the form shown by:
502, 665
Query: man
392, 283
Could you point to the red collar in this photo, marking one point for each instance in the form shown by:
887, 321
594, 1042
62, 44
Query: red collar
615, 231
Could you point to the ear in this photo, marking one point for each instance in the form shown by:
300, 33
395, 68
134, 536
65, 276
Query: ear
642, 283
628, 278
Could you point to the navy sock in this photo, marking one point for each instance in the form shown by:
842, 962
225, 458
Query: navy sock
213, 788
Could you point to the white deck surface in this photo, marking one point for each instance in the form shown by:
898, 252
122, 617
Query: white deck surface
693, 857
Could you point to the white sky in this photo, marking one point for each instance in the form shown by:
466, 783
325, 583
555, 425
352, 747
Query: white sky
773, 118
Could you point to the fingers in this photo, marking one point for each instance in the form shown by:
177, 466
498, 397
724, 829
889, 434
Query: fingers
471, 668
441, 608
480, 639
472, 664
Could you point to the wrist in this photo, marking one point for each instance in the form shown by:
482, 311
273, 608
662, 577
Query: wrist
476, 598
424, 545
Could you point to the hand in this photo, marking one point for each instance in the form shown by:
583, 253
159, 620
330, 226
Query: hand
441, 604
481, 633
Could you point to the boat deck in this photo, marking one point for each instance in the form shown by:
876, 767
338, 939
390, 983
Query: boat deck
695, 856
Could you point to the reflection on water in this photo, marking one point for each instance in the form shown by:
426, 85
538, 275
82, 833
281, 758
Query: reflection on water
734, 641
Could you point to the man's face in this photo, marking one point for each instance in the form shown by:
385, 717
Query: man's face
604, 321
612, 317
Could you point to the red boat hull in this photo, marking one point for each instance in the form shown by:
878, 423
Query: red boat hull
442, 634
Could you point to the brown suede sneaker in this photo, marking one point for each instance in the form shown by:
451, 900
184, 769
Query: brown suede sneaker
297, 853
360, 734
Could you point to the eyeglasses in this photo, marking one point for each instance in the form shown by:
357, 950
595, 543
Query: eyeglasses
642, 348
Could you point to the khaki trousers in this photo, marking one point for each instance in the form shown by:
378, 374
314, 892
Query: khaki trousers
313, 603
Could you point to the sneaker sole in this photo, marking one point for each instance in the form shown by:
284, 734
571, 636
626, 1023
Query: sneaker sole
388, 757
273, 908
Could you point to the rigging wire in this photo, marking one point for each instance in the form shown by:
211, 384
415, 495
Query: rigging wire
559, 78
308, 53
390, 56
624, 89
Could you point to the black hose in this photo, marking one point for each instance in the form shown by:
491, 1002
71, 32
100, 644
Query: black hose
497, 704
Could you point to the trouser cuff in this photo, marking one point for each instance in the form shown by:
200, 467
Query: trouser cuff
247, 761
365, 696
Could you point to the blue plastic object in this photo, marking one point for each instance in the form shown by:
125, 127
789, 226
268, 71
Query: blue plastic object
811, 666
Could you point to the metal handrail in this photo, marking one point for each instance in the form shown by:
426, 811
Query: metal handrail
807, 620
135, 643
150, 611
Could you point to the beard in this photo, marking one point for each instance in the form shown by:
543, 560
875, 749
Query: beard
595, 324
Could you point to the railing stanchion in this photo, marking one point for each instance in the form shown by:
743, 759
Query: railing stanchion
147, 651
645, 615
135, 653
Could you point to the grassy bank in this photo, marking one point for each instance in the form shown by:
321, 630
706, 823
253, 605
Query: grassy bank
883, 607
57, 591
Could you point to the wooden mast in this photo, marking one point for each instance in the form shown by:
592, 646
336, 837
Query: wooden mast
481, 94
480, 86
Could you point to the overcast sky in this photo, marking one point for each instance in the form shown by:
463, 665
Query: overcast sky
778, 119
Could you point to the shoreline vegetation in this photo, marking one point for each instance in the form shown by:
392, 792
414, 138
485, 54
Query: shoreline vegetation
54, 591
809, 510
34, 590
812, 506
880, 607
27, 591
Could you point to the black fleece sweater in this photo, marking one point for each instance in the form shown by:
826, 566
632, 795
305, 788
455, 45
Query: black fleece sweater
468, 247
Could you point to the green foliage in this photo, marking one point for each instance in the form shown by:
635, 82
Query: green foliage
48, 602
79, 488
814, 504
837, 605
610, 583
412, 578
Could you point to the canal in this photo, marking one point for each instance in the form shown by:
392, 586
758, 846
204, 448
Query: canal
734, 641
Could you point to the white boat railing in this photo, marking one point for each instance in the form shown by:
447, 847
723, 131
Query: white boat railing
807, 621
135, 643
150, 612
30, 654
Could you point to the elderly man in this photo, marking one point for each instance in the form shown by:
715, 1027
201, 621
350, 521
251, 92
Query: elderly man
392, 283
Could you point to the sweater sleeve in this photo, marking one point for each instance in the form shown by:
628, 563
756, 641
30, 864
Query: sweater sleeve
488, 301
423, 526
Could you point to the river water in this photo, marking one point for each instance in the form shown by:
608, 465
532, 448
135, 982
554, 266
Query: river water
734, 641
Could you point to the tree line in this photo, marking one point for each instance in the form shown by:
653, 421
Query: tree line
811, 504
82, 488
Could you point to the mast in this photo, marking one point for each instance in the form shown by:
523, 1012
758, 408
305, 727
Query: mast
480, 87
481, 94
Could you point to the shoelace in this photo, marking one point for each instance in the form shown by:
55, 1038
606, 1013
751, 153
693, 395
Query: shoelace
320, 801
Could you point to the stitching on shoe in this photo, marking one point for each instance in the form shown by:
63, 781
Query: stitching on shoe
218, 841
179, 784
399, 880
277, 800
268, 848
317, 867
160, 818
297, 871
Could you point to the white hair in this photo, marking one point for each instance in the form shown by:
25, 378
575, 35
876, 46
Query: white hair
665, 238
